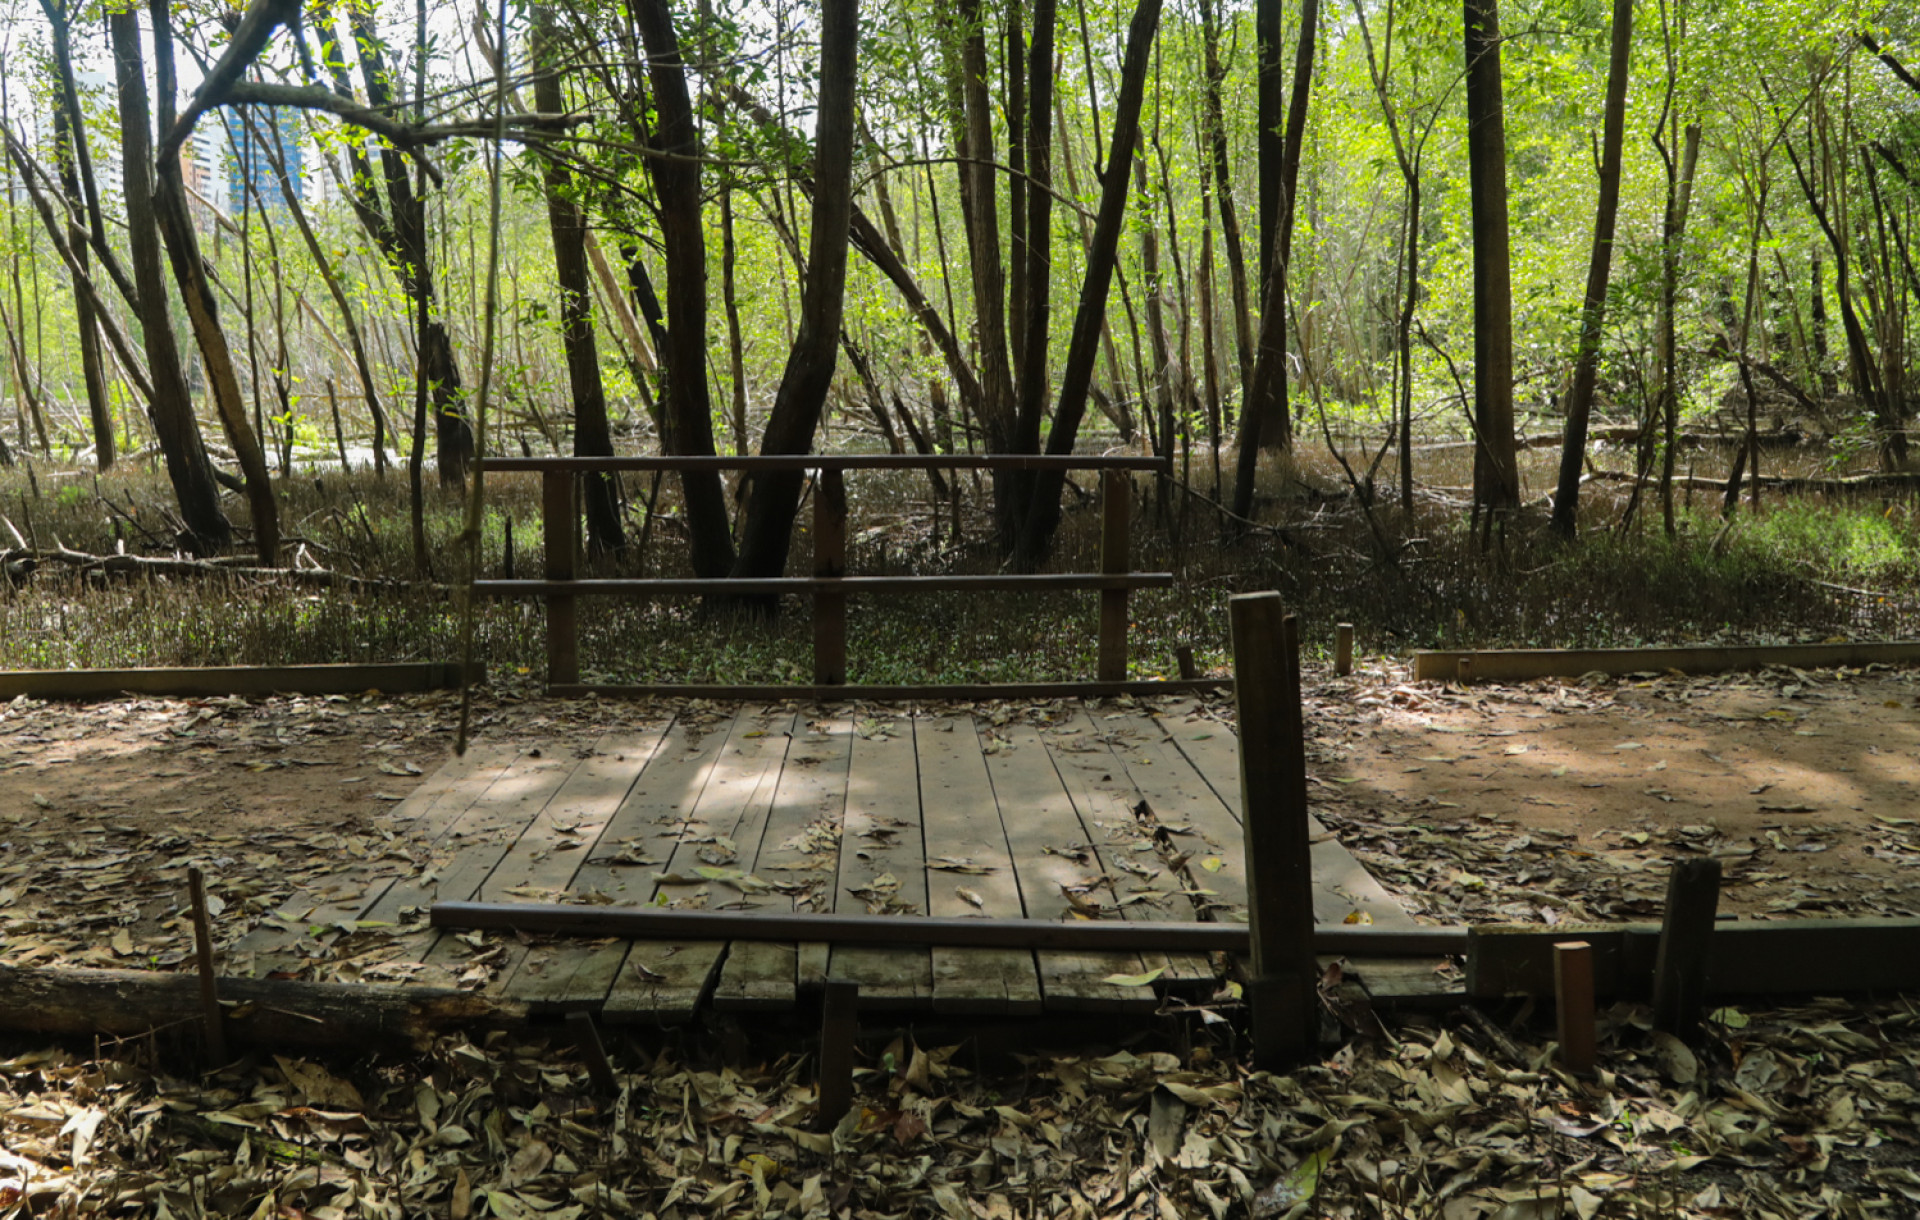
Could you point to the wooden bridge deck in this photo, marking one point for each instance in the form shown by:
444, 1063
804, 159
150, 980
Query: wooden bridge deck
1079, 811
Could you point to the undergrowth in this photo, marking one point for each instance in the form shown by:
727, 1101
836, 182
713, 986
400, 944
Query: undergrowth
1807, 569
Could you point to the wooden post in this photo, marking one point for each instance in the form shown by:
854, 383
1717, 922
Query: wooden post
1686, 934
1273, 787
1463, 672
1183, 657
830, 560
560, 526
586, 1036
1116, 520
506, 568
1343, 649
210, 1013
1573, 999
839, 1022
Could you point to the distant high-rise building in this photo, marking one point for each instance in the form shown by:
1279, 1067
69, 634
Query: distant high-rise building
262, 138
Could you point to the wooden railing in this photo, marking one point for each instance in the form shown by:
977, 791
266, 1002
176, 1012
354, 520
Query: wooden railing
829, 586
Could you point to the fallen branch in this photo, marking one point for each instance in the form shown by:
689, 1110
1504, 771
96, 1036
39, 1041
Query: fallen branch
1844, 483
143, 565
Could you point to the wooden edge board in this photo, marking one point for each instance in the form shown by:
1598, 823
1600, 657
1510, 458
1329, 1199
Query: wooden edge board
884, 693
1745, 957
215, 681
881, 835
1524, 664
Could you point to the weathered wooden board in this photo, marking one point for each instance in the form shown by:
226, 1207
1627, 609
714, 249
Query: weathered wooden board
1146, 889
798, 855
1186, 810
964, 832
1052, 856
732, 809
539, 864
883, 862
1343, 888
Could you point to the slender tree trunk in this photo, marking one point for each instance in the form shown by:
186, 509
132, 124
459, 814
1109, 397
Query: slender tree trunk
773, 499
568, 220
1496, 480
687, 408
1216, 127
1679, 198
67, 142
1573, 452
1043, 516
1036, 274
1264, 400
207, 527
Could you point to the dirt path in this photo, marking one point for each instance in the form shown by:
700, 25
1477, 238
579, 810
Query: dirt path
1555, 801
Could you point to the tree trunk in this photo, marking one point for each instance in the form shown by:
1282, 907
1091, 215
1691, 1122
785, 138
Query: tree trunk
1036, 278
1216, 127
1496, 481
1043, 514
207, 527
687, 409
1264, 399
1566, 500
773, 499
1679, 199
401, 233
190, 272
67, 143
568, 221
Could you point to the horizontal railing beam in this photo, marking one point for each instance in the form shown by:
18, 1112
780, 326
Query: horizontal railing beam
832, 461
884, 693
655, 923
850, 586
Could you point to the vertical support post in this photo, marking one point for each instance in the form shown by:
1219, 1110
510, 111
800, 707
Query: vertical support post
1183, 657
839, 1022
1116, 522
1343, 649
586, 1037
210, 1011
1463, 670
1573, 1005
560, 528
829, 561
1686, 933
1273, 795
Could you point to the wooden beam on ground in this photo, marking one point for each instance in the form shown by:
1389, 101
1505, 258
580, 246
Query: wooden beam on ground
1744, 957
757, 692
270, 1013
216, 681
573, 919
1524, 664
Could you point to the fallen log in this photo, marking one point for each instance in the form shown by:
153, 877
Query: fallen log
260, 1012
1879, 480
1622, 434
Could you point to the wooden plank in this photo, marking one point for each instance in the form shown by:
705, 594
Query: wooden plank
541, 863
1524, 664
1052, 854
215, 681
732, 810
798, 853
883, 860
1188, 812
1744, 957
962, 825
1342, 885
433, 807
1143, 887
634, 845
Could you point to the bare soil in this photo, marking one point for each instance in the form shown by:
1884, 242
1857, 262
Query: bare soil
1558, 801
